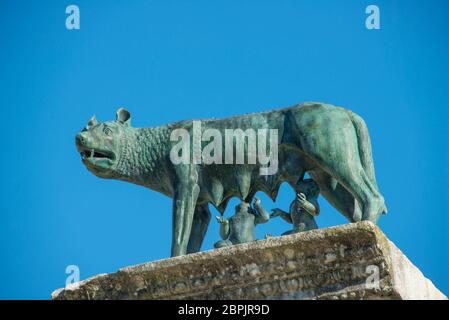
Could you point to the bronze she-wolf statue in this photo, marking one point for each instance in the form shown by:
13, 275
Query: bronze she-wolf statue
332, 144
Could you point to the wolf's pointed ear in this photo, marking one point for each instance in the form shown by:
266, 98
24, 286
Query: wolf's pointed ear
123, 116
91, 123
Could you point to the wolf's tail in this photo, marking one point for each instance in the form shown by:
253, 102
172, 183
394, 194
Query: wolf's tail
365, 152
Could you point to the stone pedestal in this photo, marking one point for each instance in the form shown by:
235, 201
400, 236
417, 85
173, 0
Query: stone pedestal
354, 261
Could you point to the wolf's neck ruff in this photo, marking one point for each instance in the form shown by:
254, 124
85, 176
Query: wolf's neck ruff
139, 158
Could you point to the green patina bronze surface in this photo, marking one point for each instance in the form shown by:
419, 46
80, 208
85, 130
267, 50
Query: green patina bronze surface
330, 143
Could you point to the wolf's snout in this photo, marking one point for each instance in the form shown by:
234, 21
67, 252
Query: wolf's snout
81, 140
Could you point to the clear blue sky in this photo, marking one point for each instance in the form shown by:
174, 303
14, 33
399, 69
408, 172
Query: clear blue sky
174, 60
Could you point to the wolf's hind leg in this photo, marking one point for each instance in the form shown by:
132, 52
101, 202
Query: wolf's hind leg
340, 198
337, 154
353, 178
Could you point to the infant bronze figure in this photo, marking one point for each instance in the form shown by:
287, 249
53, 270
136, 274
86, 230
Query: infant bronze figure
240, 227
303, 209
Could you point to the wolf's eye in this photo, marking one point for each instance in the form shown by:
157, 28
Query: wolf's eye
107, 131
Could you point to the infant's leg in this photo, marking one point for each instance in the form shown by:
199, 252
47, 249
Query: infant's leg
222, 244
300, 227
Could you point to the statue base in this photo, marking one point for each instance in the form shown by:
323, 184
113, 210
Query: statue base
353, 261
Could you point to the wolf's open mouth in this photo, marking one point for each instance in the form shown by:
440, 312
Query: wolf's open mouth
92, 153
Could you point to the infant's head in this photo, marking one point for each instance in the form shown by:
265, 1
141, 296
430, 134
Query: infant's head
243, 207
308, 187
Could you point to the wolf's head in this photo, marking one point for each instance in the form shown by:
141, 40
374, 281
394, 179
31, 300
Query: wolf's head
102, 145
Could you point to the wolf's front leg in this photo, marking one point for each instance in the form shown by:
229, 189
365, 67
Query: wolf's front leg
183, 211
184, 203
201, 219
